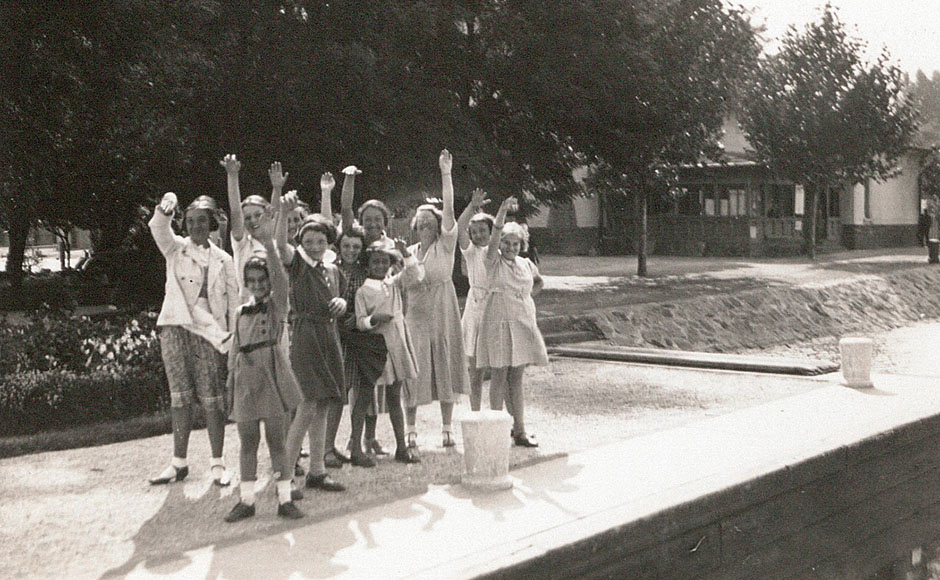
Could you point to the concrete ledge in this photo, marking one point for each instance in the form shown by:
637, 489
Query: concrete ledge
683, 358
831, 483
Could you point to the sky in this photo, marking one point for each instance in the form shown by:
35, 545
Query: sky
909, 29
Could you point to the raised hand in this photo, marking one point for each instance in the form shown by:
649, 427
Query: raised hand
265, 230
327, 182
168, 204
478, 198
352, 170
231, 164
278, 178
402, 247
510, 204
445, 161
289, 201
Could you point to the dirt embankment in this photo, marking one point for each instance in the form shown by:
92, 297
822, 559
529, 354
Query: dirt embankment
765, 317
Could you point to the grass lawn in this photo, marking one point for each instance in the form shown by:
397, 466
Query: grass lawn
94, 510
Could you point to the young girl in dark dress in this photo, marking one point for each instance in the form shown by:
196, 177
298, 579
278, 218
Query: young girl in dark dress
316, 288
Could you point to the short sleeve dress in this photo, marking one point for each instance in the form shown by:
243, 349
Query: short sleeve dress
433, 317
474, 257
315, 352
262, 381
509, 335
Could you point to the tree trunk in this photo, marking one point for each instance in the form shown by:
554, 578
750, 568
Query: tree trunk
642, 204
19, 233
812, 223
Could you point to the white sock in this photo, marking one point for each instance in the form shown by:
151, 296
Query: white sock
247, 489
283, 491
447, 428
178, 462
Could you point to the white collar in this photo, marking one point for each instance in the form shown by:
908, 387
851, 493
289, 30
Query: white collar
306, 257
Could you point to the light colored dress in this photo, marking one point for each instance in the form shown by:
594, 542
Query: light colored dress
509, 335
262, 381
433, 317
474, 257
384, 297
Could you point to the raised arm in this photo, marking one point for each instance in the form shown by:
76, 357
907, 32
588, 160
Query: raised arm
286, 251
477, 199
413, 270
159, 224
327, 183
446, 163
237, 220
349, 190
280, 287
278, 179
492, 251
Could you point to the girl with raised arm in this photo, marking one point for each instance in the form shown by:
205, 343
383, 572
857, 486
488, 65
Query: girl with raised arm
473, 236
433, 314
247, 215
194, 323
508, 338
379, 310
263, 385
316, 289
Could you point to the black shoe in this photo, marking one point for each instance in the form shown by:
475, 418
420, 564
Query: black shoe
524, 440
296, 494
374, 447
448, 439
362, 460
334, 459
240, 512
324, 482
407, 455
298, 470
179, 474
289, 511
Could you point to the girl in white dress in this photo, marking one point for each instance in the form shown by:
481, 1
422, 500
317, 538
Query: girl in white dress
473, 236
379, 309
509, 339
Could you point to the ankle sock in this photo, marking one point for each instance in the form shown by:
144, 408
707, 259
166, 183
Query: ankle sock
247, 490
178, 462
283, 491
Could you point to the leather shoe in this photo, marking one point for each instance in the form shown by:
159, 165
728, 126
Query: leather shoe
524, 440
324, 482
375, 448
362, 460
179, 474
298, 470
334, 459
296, 494
240, 512
289, 511
448, 439
407, 455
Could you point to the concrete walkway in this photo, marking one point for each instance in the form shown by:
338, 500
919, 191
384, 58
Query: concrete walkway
450, 532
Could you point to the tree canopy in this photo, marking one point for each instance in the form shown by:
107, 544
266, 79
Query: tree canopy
817, 113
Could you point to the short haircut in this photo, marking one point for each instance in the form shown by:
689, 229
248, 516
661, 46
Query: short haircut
438, 215
514, 229
317, 223
483, 218
379, 247
353, 231
375, 204
259, 263
256, 200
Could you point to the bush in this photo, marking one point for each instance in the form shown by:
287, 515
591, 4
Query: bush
33, 400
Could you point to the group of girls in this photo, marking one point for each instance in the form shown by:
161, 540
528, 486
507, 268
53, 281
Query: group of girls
303, 325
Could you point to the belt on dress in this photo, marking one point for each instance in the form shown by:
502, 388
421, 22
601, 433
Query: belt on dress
255, 346
314, 318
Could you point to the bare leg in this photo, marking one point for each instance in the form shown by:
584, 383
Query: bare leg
498, 387
332, 426
447, 412
182, 418
476, 385
357, 415
215, 425
298, 429
249, 435
516, 396
318, 434
395, 414
274, 435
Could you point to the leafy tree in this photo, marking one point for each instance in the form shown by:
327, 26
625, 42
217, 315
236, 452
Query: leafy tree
635, 88
818, 114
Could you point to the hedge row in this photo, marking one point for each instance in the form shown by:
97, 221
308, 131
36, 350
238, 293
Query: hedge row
33, 401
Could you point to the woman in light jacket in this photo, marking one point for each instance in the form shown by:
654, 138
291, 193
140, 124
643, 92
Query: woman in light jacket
198, 309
